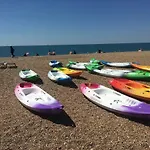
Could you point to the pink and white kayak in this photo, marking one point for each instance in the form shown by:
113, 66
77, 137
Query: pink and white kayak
36, 99
115, 101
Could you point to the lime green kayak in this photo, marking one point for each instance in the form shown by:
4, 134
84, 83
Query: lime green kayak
81, 65
93, 60
93, 66
137, 75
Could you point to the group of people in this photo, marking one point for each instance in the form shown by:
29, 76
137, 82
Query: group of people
12, 50
72, 52
140, 50
51, 53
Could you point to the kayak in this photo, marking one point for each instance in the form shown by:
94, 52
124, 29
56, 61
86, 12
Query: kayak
142, 67
77, 65
116, 64
28, 75
132, 88
36, 99
93, 60
137, 75
82, 65
111, 72
58, 76
70, 72
115, 101
93, 66
55, 63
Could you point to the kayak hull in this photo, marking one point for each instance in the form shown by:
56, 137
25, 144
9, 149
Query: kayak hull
36, 99
114, 101
132, 88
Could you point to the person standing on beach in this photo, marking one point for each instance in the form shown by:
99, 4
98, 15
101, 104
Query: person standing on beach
74, 52
12, 51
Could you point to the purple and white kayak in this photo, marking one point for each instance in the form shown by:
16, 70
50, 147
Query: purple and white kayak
36, 99
115, 101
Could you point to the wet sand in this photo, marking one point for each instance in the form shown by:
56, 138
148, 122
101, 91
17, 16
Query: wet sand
82, 125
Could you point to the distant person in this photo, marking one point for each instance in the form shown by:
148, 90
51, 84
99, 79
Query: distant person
26, 54
74, 52
70, 52
53, 53
37, 54
12, 51
49, 52
140, 50
99, 51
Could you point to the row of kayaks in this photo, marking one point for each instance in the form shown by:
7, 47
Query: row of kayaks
81, 65
95, 66
61, 73
133, 74
127, 97
102, 63
36, 99
56, 74
33, 97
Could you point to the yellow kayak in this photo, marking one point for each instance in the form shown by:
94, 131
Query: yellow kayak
70, 72
142, 67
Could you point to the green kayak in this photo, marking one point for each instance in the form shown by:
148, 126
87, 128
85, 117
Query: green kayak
28, 75
93, 66
138, 75
77, 65
81, 65
93, 60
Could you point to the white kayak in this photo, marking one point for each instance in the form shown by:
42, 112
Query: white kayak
58, 76
55, 63
115, 101
28, 74
111, 72
77, 65
34, 98
117, 64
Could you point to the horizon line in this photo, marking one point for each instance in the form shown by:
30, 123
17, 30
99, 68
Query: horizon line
76, 44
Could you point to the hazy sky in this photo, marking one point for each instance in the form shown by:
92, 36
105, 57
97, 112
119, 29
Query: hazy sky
32, 22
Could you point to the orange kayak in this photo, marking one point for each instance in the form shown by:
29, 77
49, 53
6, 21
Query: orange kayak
146, 68
69, 72
132, 88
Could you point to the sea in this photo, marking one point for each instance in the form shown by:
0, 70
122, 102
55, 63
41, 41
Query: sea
80, 49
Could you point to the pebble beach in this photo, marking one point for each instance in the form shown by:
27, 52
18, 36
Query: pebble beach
82, 125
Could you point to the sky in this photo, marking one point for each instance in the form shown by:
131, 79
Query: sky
56, 22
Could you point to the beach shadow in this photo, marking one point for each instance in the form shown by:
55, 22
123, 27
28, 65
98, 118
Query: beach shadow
38, 81
80, 78
59, 118
70, 84
142, 120
145, 120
